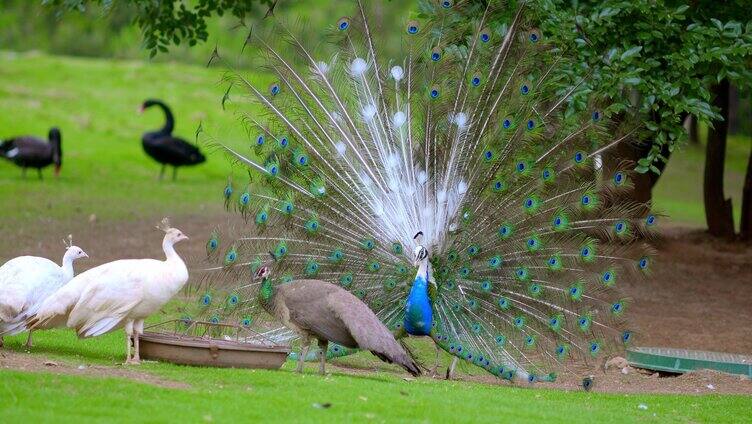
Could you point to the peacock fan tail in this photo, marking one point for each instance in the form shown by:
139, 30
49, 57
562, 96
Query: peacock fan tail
473, 134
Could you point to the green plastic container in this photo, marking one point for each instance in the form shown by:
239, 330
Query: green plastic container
683, 360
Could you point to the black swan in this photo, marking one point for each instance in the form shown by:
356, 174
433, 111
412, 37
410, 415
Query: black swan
32, 152
166, 149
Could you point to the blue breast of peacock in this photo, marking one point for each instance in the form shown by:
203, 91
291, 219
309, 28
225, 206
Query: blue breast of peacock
418, 312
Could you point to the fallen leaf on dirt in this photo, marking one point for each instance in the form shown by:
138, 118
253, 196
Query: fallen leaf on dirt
616, 362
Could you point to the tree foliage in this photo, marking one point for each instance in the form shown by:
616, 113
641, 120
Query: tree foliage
655, 59
170, 22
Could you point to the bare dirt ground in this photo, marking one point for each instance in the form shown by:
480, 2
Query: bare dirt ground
699, 296
34, 363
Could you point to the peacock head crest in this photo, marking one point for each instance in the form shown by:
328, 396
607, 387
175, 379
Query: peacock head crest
420, 252
73, 252
172, 235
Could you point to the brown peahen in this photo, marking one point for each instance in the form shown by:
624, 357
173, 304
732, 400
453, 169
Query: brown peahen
315, 309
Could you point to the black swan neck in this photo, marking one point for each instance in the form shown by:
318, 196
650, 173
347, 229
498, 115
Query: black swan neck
56, 145
169, 119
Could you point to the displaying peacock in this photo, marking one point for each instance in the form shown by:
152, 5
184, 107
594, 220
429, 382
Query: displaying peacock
456, 186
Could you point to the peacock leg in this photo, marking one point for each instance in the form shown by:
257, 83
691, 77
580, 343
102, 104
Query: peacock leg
450, 369
1, 341
128, 335
435, 368
323, 345
29, 342
39, 174
174, 173
161, 173
127, 348
138, 329
136, 355
303, 352
23, 172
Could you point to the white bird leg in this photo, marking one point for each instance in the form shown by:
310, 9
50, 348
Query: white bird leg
127, 348
450, 370
128, 335
303, 353
29, 342
138, 329
324, 346
136, 355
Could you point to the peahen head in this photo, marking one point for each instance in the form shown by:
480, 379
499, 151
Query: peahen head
262, 273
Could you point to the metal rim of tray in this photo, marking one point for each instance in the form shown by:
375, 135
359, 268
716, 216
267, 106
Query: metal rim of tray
253, 341
684, 360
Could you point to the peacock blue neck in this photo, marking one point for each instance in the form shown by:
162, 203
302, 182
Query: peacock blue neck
418, 309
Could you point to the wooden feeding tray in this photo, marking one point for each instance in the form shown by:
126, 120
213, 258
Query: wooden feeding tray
199, 343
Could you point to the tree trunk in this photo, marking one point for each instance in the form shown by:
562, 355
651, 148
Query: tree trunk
734, 123
718, 211
690, 124
746, 219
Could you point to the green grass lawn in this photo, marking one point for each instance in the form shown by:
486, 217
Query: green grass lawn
95, 102
231, 395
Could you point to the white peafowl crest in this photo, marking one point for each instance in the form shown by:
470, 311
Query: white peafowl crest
467, 134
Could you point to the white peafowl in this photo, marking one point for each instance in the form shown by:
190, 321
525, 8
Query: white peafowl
457, 189
117, 294
26, 281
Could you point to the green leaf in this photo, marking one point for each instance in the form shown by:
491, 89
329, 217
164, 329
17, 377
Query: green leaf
633, 51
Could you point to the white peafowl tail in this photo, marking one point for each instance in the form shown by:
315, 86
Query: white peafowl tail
472, 137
